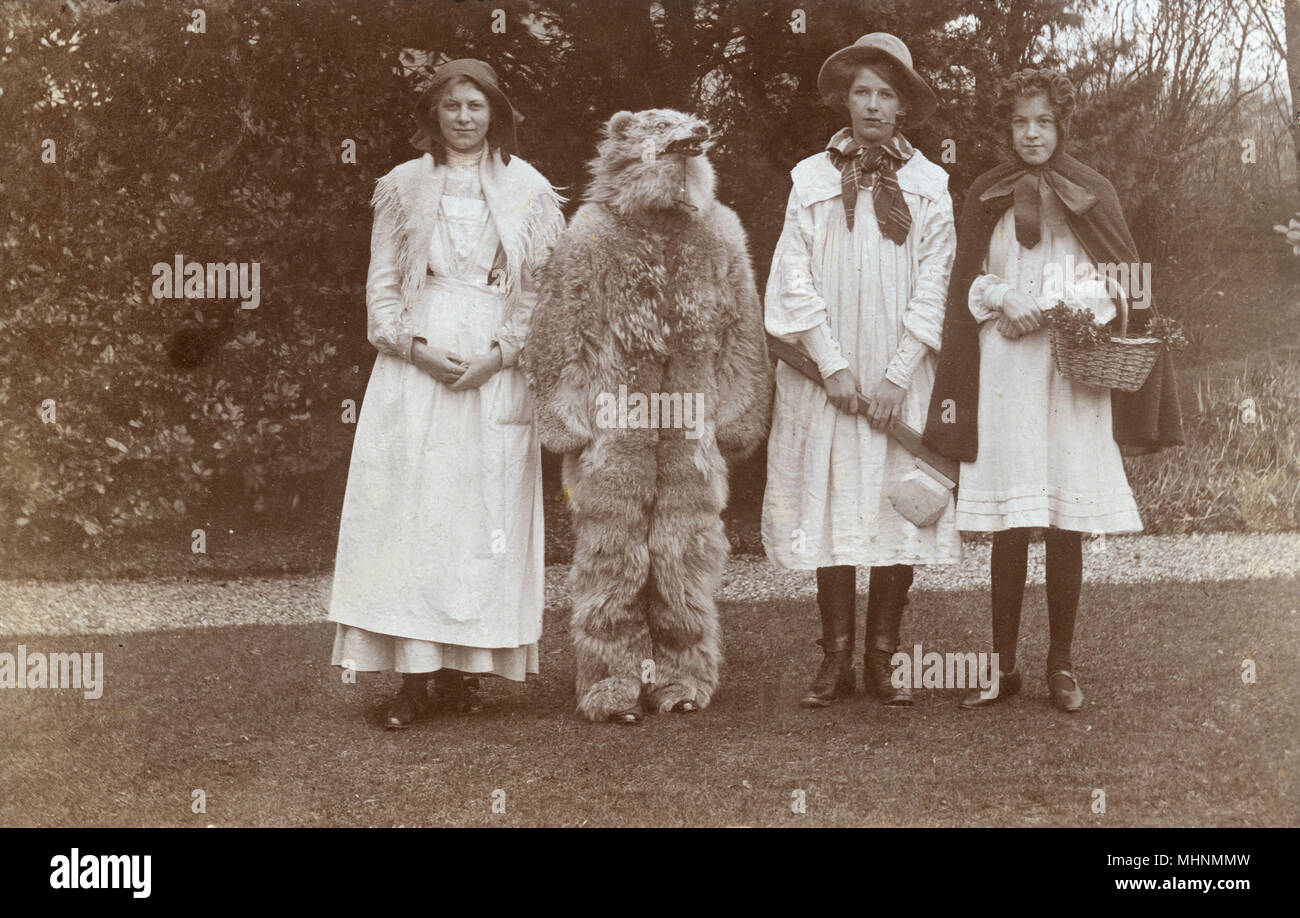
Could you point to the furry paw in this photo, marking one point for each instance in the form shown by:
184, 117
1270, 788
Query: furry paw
677, 697
557, 437
609, 696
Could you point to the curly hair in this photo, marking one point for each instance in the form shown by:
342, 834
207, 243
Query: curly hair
1024, 84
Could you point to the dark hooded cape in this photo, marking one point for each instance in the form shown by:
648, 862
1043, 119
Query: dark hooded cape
1144, 421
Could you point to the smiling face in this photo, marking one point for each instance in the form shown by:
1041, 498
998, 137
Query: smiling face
873, 106
464, 115
1034, 129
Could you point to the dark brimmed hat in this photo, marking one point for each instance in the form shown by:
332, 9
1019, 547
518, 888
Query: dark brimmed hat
501, 133
840, 67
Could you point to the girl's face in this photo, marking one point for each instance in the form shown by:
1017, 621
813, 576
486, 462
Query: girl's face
464, 114
873, 107
1033, 129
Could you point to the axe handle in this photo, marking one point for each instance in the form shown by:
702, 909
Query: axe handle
905, 435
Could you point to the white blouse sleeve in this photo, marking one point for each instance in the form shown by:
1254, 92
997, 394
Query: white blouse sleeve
923, 317
386, 321
794, 311
935, 249
986, 294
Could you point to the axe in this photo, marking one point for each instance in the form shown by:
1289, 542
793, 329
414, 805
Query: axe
920, 496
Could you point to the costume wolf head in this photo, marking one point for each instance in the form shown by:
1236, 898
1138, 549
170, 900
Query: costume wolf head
652, 161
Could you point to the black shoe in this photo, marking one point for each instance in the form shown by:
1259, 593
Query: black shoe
629, 718
1008, 685
1064, 691
835, 680
455, 692
406, 707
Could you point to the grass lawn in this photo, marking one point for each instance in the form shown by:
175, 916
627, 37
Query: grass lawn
255, 718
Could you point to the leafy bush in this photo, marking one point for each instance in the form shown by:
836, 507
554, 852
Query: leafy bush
1240, 468
105, 435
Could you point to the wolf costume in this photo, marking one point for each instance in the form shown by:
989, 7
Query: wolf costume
648, 303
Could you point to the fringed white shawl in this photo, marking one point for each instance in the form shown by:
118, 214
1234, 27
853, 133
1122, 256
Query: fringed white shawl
524, 207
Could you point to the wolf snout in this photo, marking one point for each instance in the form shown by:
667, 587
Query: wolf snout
692, 141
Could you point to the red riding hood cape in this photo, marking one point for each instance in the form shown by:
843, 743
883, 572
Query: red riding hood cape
1144, 421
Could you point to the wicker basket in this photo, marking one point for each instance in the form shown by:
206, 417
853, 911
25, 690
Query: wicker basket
1121, 363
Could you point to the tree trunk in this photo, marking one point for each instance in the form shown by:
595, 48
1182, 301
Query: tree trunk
1292, 9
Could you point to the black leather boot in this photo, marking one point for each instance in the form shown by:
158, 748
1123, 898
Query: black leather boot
836, 599
886, 597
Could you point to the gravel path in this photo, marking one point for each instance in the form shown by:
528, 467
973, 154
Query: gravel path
114, 607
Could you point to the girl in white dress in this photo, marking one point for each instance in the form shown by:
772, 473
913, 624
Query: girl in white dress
440, 557
858, 280
1047, 454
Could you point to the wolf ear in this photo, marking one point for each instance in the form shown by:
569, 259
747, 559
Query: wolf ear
620, 123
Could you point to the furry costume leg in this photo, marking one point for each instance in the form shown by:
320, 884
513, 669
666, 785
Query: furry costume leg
611, 564
688, 551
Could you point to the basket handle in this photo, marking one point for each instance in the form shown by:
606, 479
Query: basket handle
1122, 300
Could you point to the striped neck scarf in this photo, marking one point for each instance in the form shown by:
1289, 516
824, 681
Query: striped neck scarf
857, 164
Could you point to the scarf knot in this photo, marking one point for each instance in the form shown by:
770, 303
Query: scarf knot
857, 165
1028, 185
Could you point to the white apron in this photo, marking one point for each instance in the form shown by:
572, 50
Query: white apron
440, 540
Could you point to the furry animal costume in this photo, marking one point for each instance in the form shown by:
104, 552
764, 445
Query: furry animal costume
650, 288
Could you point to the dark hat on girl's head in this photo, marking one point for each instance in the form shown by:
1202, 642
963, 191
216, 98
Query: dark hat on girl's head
838, 72
504, 116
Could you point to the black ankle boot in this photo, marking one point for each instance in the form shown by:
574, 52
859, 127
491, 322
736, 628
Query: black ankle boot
836, 601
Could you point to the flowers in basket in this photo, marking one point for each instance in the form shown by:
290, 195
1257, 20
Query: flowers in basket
1086, 351
1292, 233
1079, 328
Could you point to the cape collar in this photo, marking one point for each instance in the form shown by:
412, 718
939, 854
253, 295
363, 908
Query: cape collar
524, 207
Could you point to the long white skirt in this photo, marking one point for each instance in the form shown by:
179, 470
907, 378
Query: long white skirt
440, 540
1047, 455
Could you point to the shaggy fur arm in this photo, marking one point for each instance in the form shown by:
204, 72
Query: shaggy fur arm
552, 354
744, 372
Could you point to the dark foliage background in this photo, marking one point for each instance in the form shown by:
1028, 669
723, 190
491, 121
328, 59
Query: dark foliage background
226, 145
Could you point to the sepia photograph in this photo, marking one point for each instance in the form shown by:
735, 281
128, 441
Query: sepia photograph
650, 413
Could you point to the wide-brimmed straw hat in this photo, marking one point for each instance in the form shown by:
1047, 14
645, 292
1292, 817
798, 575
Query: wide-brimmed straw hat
502, 132
918, 98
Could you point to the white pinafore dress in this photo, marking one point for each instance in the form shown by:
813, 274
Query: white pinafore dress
1047, 454
440, 556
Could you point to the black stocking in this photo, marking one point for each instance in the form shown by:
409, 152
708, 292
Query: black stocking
1010, 560
1064, 579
